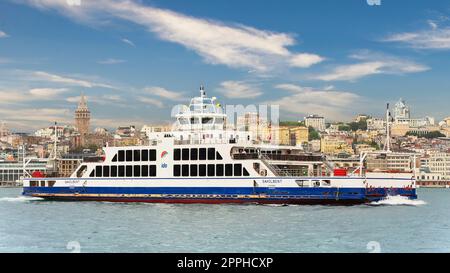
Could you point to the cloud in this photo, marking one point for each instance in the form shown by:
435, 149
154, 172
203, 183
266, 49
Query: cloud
435, 38
47, 92
164, 93
3, 35
111, 61
65, 80
305, 60
128, 42
151, 101
34, 118
233, 45
19, 96
372, 63
306, 100
115, 100
239, 90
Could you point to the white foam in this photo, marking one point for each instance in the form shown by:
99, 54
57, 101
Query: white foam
398, 200
19, 199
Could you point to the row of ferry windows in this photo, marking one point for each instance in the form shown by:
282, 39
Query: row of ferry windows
210, 170
135, 155
124, 171
196, 154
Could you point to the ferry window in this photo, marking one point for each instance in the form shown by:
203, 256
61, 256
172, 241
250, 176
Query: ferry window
121, 171
246, 172
237, 169
211, 169
185, 154
176, 170
92, 174
137, 155
194, 154
177, 154
137, 170
228, 169
219, 170
144, 155
218, 156
144, 170
81, 171
185, 170
113, 171
114, 158
152, 155
98, 171
211, 153
202, 170
121, 156
202, 154
129, 170
194, 170
105, 171
129, 155
153, 170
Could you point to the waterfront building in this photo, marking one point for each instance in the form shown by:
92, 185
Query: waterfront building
82, 118
333, 145
12, 172
290, 136
437, 162
401, 162
315, 121
153, 132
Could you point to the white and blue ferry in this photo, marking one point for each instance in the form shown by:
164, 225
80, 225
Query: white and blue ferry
200, 161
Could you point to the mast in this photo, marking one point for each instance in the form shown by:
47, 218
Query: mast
387, 145
54, 145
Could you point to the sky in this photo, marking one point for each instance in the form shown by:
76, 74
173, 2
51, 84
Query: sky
136, 59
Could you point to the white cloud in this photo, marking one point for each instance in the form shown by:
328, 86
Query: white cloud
151, 101
20, 96
234, 45
129, 42
239, 90
434, 38
3, 34
305, 60
333, 105
372, 63
164, 93
47, 92
65, 80
111, 61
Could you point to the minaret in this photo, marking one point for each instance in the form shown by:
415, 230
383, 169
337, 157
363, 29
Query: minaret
82, 118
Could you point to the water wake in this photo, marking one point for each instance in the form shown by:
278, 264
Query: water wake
398, 200
20, 199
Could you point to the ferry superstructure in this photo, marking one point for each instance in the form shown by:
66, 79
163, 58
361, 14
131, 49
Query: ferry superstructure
200, 161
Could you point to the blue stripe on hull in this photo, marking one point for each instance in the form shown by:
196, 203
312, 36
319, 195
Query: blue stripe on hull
276, 193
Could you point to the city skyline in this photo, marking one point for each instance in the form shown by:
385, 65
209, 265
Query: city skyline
143, 57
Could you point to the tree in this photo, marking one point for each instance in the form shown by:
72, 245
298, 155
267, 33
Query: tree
313, 134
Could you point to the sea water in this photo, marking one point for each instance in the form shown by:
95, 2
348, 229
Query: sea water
392, 225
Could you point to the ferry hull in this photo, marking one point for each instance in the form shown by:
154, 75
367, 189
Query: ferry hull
306, 196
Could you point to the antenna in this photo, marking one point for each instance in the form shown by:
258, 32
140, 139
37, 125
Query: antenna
202, 91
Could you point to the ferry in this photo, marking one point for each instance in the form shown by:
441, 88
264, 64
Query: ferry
201, 161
